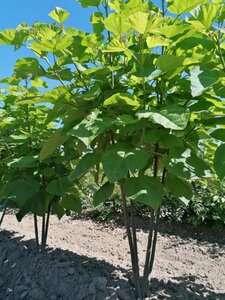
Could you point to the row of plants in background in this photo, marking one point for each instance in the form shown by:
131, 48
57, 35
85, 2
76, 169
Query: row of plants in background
140, 106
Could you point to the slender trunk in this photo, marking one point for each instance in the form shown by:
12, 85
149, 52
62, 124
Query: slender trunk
3, 215
46, 227
134, 261
43, 233
36, 232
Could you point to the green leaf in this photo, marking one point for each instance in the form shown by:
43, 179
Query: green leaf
21, 190
202, 79
87, 3
91, 127
116, 46
219, 161
178, 186
184, 163
120, 159
219, 134
13, 37
103, 193
139, 22
122, 99
156, 41
179, 7
144, 189
23, 162
205, 15
116, 24
97, 19
38, 205
84, 165
169, 62
72, 201
28, 67
58, 210
173, 117
55, 140
58, 186
59, 15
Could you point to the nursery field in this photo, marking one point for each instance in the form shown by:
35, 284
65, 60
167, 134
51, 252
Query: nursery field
88, 260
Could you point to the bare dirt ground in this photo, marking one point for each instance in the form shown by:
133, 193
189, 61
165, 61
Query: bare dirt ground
87, 260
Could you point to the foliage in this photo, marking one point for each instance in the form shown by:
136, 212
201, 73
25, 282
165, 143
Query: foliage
140, 100
207, 207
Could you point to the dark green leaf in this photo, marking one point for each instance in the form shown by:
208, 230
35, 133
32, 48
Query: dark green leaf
120, 159
219, 161
58, 186
55, 140
84, 165
103, 193
144, 189
71, 201
178, 186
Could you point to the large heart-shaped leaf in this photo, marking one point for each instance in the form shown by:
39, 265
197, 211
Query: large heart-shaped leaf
144, 189
120, 159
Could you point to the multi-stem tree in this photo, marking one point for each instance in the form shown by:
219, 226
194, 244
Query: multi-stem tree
141, 96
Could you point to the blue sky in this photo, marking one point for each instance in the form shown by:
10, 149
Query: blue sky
14, 12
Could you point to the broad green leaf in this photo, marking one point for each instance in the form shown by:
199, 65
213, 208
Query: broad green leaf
116, 46
144, 22
38, 205
28, 67
219, 134
97, 20
169, 62
119, 160
144, 189
103, 193
23, 162
21, 190
178, 186
183, 162
88, 161
13, 37
58, 186
87, 3
156, 41
117, 24
59, 15
202, 79
169, 141
219, 161
71, 201
173, 116
55, 140
122, 99
179, 7
88, 129
205, 15
58, 210
139, 22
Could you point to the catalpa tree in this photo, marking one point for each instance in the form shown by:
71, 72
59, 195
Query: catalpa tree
141, 99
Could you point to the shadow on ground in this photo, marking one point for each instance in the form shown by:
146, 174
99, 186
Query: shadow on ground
183, 288
62, 274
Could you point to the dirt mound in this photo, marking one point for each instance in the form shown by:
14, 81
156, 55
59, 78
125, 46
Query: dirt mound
87, 260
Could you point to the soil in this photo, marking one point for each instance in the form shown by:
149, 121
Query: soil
89, 260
